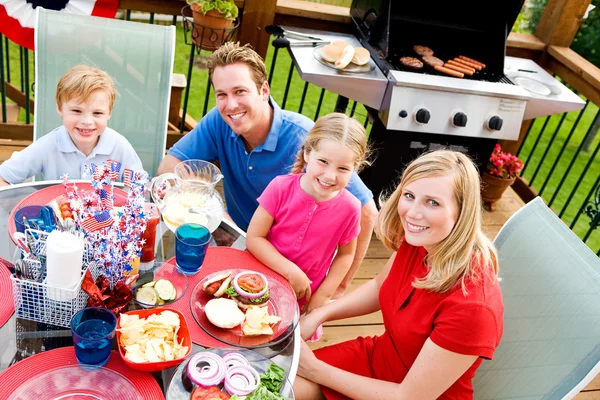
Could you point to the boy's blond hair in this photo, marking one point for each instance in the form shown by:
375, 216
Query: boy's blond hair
339, 128
466, 252
80, 81
232, 53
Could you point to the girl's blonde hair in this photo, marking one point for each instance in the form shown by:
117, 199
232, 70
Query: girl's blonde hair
466, 252
80, 81
340, 128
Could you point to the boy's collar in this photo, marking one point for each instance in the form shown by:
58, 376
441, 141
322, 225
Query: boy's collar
105, 145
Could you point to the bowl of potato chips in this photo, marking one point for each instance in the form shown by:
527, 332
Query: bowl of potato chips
153, 339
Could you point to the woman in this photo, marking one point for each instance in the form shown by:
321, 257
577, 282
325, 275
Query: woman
438, 293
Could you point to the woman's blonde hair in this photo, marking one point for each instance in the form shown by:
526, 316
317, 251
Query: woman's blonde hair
232, 53
340, 128
80, 81
466, 252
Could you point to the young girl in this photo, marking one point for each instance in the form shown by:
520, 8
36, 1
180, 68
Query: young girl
304, 217
438, 294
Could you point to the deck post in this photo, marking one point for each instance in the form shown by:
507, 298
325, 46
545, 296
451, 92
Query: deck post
257, 14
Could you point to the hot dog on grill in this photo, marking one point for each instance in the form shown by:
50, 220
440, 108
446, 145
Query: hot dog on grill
472, 60
449, 71
468, 64
459, 69
463, 66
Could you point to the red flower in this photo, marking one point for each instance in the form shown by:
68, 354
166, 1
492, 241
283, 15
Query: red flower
504, 165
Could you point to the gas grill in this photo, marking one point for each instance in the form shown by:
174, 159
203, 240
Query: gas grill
420, 110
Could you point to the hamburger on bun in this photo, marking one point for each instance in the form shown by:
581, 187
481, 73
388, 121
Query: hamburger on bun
361, 56
223, 313
331, 53
217, 284
249, 288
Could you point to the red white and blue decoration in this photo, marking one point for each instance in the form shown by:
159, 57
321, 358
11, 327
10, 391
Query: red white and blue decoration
112, 235
17, 17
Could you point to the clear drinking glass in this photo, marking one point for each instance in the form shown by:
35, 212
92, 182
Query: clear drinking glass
93, 331
192, 240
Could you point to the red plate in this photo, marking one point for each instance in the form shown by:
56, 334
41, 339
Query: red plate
282, 303
46, 195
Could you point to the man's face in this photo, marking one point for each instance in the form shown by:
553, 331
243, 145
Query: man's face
241, 105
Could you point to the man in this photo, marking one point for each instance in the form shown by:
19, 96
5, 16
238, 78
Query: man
254, 141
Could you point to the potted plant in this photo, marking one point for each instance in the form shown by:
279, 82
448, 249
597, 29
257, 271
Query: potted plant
502, 170
212, 22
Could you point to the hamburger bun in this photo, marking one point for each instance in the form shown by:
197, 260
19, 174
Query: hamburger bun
339, 43
331, 53
223, 313
347, 55
361, 56
217, 284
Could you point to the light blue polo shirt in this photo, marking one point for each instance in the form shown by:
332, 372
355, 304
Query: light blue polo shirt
55, 154
248, 174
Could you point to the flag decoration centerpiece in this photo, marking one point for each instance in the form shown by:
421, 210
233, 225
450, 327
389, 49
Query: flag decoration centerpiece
112, 234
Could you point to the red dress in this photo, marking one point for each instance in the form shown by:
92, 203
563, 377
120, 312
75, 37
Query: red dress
471, 324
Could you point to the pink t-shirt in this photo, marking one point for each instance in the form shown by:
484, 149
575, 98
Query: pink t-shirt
305, 231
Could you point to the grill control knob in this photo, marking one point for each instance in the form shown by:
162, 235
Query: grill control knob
403, 114
459, 119
422, 116
495, 123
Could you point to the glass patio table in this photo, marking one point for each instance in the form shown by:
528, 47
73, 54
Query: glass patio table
21, 338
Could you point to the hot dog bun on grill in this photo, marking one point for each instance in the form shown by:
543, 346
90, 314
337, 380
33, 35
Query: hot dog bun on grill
331, 53
346, 58
361, 56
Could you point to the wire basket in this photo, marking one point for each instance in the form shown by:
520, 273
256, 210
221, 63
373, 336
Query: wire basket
34, 299
206, 36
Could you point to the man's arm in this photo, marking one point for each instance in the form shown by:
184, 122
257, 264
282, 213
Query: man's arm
3, 182
368, 218
168, 164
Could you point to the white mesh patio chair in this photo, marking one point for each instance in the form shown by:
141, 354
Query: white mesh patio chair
551, 289
139, 57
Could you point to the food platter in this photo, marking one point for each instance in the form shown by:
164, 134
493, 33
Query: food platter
77, 382
46, 195
181, 388
282, 303
532, 85
353, 68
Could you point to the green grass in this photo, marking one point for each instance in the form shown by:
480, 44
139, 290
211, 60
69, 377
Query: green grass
195, 108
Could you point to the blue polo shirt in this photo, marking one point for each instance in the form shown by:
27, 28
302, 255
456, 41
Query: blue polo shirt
55, 154
248, 174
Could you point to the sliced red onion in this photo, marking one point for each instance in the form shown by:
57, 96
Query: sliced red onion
211, 373
241, 380
242, 292
233, 359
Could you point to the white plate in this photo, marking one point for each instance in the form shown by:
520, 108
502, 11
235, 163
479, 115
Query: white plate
532, 85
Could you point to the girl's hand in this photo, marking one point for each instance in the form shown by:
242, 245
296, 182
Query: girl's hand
309, 324
308, 361
315, 302
300, 283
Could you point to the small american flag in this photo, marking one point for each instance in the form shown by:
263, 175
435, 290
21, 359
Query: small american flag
106, 199
98, 221
114, 169
127, 176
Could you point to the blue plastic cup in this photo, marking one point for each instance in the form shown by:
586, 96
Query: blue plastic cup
31, 214
191, 243
93, 331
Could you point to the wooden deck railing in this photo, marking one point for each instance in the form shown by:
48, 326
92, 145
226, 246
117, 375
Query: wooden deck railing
548, 47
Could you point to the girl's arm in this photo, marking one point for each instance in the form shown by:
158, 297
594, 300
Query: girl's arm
265, 252
363, 300
339, 267
432, 373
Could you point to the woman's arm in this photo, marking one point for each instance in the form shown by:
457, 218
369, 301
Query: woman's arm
265, 252
363, 300
339, 267
432, 373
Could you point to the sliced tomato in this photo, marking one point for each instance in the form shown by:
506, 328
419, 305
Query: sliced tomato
251, 283
65, 206
67, 214
206, 393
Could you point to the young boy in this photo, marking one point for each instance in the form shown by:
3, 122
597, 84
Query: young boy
84, 99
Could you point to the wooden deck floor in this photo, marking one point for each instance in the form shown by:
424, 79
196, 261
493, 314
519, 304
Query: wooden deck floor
377, 255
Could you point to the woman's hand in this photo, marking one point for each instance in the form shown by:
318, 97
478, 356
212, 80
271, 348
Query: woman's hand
310, 322
308, 362
315, 302
299, 282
